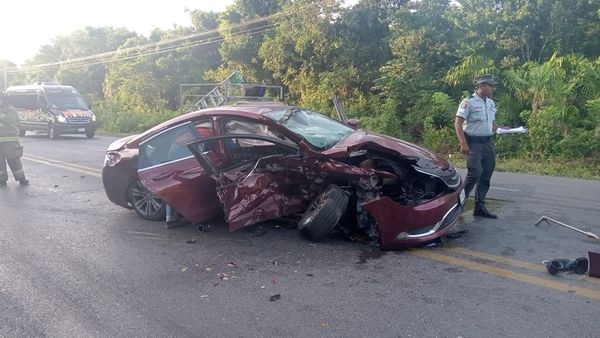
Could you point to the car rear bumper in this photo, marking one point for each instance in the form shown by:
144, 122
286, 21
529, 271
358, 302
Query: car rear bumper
116, 180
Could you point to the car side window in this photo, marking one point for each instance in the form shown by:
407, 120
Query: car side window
242, 126
170, 145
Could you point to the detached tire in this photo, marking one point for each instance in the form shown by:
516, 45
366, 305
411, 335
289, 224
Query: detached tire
323, 213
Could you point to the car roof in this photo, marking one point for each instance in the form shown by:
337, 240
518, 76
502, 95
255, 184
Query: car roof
36, 88
243, 108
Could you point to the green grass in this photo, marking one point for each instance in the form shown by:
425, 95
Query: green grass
584, 169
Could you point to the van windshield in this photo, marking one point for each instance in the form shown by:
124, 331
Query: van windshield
65, 100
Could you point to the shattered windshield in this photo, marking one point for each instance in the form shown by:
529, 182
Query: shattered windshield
318, 130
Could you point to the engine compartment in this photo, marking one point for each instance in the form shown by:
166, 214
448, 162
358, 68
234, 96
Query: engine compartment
408, 186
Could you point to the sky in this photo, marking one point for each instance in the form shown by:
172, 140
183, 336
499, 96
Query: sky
27, 25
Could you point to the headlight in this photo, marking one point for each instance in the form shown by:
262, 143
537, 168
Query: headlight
93, 118
61, 119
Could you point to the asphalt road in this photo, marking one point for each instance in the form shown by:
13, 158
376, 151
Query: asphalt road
72, 264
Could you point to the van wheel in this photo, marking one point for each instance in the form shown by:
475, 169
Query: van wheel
323, 213
22, 132
90, 133
52, 134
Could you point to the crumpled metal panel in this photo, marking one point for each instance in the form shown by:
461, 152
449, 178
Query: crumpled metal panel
278, 186
268, 189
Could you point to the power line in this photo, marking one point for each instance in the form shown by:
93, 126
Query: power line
149, 53
163, 46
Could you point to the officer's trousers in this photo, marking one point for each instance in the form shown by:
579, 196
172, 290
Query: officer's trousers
480, 167
11, 152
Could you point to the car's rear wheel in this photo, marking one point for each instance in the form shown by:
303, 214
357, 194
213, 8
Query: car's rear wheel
147, 205
324, 213
22, 132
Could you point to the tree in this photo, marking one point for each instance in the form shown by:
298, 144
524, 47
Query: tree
243, 27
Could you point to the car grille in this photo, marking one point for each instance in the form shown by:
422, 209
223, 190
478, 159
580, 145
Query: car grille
451, 216
79, 119
447, 220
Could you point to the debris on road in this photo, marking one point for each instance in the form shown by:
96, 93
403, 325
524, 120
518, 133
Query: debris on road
369, 253
594, 264
203, 227
548, 220
191, 241
578, 266
458, 234
275, 297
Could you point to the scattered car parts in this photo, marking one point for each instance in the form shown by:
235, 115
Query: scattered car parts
548, 220
578, 266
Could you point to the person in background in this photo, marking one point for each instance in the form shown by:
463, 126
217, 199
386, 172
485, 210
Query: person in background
474, 125
10, 148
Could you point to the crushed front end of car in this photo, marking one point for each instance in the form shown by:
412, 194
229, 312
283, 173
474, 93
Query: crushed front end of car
402, 195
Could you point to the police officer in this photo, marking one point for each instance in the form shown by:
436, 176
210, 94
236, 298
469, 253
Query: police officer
10, 148
474, 126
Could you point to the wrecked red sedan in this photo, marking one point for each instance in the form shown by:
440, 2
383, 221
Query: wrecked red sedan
254, 162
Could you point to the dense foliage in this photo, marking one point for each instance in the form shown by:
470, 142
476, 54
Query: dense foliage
400, 66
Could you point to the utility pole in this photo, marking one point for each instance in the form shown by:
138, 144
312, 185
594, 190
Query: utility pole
4, 67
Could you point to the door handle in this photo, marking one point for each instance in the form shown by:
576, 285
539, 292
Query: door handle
162, 176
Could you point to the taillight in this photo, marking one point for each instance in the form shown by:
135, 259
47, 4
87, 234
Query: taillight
111, 158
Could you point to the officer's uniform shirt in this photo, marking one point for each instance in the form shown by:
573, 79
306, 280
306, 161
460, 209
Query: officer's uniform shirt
479, 115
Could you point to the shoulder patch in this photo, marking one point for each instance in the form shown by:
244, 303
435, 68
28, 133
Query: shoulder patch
464, 105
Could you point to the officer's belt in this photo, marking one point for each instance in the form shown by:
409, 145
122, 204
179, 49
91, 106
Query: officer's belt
478, 139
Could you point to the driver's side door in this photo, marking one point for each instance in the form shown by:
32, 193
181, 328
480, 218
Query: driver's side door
263, 178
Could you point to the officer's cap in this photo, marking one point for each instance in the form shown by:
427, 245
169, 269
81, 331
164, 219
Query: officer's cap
486, 78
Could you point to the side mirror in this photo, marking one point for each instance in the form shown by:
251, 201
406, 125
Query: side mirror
353, 123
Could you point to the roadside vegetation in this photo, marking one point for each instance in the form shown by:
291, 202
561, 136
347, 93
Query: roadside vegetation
400, 67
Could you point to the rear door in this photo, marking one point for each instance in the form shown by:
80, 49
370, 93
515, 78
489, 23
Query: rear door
262, 178
168, 169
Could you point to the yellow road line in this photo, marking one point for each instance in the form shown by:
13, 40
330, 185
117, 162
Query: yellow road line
64, 165
500, 272
495, 258
508, 261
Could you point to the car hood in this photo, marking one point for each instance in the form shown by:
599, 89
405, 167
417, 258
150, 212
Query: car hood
362, 140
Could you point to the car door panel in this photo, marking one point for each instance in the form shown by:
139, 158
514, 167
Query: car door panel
180, 181
268, 189
258, 183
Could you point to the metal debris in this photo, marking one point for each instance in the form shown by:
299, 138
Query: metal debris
548, 220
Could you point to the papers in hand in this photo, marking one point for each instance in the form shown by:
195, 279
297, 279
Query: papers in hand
518, 130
